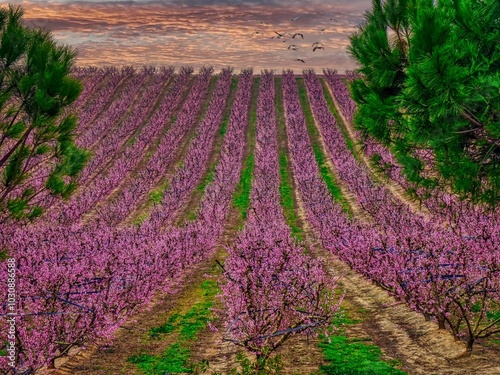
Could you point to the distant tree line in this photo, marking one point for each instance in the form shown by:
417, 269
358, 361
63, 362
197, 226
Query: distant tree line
37, 149
429, 80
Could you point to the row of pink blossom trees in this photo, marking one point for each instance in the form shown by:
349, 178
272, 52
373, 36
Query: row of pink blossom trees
121, 165
111, 128
270, 289
139, 185
194, 165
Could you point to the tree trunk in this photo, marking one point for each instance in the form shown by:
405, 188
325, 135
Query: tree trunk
470, 343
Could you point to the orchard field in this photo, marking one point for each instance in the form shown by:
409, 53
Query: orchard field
211, 198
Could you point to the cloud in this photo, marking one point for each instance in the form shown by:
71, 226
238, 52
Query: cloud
202, 32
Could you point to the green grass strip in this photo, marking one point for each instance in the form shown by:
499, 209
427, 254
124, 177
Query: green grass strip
176, 358
325, 172
287, 198
241, 197
210, 174
353, 356
200, 188
329, 100
234, 87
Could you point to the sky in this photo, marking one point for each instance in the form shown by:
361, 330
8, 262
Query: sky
217, 33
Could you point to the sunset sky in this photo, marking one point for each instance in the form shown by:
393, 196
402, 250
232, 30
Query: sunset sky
216, 33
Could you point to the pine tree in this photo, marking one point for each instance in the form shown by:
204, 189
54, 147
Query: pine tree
36, 137
431, 80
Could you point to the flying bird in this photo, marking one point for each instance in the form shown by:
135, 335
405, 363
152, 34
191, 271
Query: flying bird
315, 48
279, 35
300, 60
296, 34
294, 18
256, 32
293, 46
315, 44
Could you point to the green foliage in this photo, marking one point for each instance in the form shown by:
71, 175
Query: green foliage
430, 78
35, 88
168, 327
4, 254
17, 207
241, 198
140, 219
286, 196
493, 315
354, 357
156, 196
14, 169
234, 87
16, 130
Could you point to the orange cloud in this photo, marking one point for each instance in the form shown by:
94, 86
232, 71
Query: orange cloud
218, 34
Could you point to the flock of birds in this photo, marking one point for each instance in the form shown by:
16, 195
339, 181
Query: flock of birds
315, 46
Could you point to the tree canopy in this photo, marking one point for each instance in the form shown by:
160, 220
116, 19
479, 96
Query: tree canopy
429, 83
37, 149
